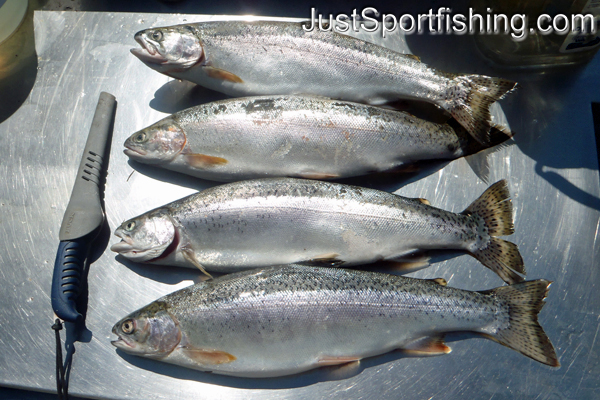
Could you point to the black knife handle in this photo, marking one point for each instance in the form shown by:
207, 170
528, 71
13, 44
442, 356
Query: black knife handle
66, 282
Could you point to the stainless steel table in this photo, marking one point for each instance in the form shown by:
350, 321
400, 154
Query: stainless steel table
552, 168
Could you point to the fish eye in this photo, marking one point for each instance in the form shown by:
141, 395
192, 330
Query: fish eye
129, 226
140, 137
157, 35
128, 326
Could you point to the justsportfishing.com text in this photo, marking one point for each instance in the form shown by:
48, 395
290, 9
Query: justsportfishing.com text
444, 22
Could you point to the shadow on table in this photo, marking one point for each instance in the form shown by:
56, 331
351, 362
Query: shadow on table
166, 274
172, 275
176, 178
177, 95
553, 126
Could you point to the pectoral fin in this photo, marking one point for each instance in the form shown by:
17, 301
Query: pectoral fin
406, 265
189, 255
204, 161
221, 74
431, 346
207, 357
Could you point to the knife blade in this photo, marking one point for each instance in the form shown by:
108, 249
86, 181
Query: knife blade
84, 215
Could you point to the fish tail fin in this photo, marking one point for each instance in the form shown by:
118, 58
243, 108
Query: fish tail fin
469, 98
502, 257
499, 135
476, 153
524, 333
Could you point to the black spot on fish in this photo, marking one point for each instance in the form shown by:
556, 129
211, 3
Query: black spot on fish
221, 108
345, 105
151, 309
373, 111
261, 105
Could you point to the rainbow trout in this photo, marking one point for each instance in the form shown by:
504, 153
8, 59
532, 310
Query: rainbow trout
263, 222
242, 58
285, 320
304, 137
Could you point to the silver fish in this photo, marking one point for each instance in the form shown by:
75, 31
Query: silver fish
251, 224
305, 137
285, 320
242, 58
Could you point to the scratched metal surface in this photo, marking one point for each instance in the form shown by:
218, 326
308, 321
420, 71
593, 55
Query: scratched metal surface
552, 169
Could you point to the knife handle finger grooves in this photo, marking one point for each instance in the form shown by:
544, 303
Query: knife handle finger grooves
70, 258
93, 168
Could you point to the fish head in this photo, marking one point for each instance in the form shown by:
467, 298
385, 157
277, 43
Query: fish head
156, 144
151, 331
146, 238
169, 48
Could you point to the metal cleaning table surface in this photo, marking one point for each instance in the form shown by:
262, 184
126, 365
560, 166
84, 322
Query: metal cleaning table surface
552, 169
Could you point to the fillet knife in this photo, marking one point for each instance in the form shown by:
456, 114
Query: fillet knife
84, 216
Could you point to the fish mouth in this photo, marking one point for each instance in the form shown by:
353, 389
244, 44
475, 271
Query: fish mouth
122, 344
125, 245
127, 249
145, 56
133, 152
148, 53
122, 247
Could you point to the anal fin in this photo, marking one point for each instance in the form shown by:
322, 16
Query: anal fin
430, 346
405, 265
343, 371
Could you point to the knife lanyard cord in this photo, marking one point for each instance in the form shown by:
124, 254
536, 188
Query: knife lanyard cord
62, 382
